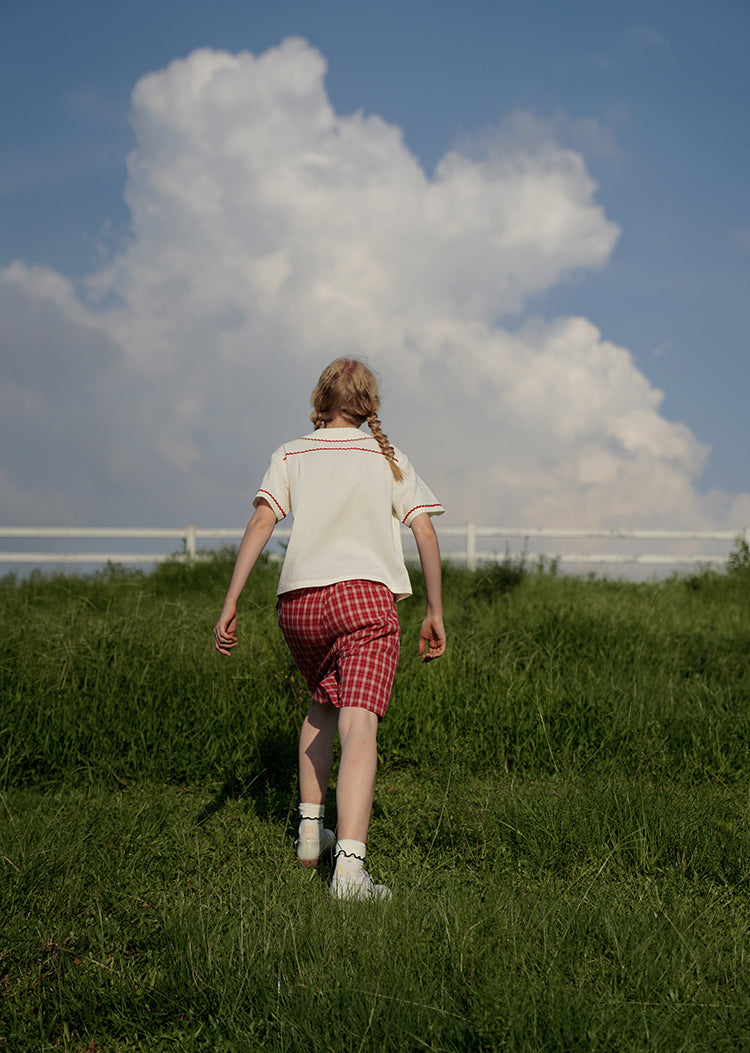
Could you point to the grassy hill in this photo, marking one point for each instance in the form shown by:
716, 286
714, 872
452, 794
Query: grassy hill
561, 811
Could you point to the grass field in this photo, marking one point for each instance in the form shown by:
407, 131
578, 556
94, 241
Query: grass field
562, 812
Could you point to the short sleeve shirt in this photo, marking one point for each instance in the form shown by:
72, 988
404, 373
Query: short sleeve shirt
347, 509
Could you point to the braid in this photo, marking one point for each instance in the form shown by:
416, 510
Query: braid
348, 387
388, 451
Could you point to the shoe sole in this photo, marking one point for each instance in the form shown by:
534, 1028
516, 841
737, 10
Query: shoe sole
335, 898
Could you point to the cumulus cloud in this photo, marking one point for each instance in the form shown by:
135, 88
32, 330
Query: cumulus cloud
270, 234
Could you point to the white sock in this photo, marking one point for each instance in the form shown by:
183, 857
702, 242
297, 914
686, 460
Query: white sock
350, 856
311, 820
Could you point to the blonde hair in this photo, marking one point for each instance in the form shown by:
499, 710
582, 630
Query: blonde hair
348, 387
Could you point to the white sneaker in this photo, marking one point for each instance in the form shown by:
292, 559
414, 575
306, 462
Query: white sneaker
311, 849
357, 887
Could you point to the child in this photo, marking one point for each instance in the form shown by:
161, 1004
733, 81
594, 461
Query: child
343, 572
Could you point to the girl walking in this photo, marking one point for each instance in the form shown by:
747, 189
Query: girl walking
343, 572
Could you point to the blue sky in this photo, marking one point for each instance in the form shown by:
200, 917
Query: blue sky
650, 98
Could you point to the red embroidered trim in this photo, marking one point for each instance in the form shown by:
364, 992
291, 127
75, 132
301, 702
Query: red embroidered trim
308, 438
417, 507
319, 449
269, 494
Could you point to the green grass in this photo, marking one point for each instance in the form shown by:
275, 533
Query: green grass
561, 811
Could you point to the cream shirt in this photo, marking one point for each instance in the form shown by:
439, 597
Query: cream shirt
347, 509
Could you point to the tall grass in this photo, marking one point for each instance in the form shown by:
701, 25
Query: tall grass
561, 811
115, 678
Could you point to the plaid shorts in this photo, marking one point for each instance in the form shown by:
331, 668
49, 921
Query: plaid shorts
345, 639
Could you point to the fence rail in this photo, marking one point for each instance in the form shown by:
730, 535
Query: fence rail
535, 545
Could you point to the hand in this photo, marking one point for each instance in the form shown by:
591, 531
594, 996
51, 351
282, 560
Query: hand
431, 638
225, 632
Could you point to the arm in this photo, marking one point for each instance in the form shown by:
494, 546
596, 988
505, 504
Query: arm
432, 633
257, 533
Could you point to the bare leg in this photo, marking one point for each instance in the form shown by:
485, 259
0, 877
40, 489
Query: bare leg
316, 751
358, 730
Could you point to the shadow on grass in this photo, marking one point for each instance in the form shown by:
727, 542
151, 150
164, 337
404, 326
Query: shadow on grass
271, 787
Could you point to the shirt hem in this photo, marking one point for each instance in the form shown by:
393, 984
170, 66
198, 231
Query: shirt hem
309, 583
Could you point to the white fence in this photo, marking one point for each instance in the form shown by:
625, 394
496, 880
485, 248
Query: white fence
467, 545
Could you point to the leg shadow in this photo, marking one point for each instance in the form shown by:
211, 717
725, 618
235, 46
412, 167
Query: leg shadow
271, 787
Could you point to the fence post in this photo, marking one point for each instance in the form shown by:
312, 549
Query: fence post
471, 546
190, 545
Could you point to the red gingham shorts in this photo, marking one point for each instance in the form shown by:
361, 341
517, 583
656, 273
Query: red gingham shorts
345, 639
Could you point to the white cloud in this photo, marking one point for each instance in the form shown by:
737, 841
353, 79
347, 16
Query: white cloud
270, 234
532, 133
